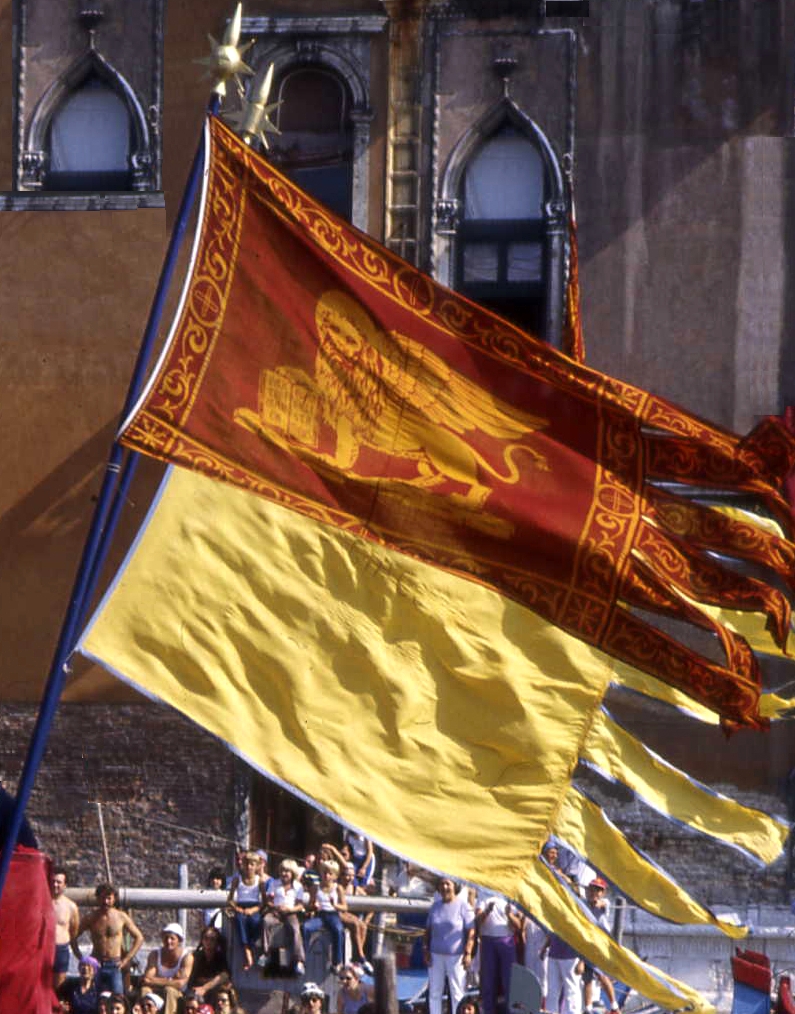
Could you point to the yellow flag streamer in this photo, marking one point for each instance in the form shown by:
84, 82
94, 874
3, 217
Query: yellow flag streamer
552, 904
583, 825
771, 705
619, 755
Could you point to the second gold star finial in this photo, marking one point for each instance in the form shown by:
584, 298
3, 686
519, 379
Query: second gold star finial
253, 120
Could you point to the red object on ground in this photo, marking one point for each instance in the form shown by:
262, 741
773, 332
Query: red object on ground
752, 969
784, 1002
27, 936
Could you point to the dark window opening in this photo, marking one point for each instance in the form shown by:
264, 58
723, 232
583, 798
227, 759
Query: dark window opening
315, 146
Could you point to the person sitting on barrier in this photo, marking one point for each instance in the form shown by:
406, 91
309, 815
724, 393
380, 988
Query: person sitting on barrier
210, 967
354, 993
284, 899
326, 902
356, 926
245, 903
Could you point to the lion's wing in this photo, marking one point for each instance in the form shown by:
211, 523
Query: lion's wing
449, 399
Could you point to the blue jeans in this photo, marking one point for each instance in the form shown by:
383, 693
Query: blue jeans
250, 929
109, 976
329, 921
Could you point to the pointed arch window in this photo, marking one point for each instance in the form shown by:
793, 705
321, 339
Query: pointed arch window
502, 256
315, 147
90, 140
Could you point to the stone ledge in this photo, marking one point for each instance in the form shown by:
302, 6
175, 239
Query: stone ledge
57, 201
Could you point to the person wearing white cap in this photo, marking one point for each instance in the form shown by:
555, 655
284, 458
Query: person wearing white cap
152, 1003
312, 997
168, 968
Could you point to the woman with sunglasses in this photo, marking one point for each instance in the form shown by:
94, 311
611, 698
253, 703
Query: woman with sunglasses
354, 994
226, 1001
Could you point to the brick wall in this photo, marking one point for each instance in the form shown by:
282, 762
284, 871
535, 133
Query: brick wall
168, 792
172, 793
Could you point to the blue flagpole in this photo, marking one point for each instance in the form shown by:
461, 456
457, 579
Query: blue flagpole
100, 531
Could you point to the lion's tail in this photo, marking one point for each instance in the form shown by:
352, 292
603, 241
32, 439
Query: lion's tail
539, 461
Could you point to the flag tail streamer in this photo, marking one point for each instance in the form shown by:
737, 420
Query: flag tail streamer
585, 826
315, 368
772, 706
620, 756
543, 894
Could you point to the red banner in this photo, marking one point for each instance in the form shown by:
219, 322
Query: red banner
27, 936
315, 368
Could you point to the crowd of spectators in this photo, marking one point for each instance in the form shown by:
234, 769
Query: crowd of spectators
471, 940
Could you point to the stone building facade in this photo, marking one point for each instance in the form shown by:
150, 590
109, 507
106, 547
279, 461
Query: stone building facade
669, 120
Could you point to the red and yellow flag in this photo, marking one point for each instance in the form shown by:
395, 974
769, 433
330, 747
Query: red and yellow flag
310, 365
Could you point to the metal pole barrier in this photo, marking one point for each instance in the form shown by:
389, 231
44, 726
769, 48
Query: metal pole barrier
182, 913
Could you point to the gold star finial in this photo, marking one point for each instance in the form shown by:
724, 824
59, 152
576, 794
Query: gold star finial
226, 58
253, 119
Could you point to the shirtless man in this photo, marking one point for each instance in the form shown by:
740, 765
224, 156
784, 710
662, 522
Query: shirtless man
168, 968
67, 922
107, 924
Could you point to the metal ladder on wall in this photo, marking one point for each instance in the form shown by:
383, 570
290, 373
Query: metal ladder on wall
403, 191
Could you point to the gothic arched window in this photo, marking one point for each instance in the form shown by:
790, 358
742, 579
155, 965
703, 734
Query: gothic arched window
315, 146
90, 139
501, 248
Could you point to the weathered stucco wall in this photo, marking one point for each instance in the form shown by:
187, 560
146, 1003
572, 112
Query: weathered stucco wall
684, 193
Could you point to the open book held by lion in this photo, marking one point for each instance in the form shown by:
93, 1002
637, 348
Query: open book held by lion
387, 392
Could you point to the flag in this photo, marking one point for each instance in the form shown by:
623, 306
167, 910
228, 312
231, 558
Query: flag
316, 369
441, 718
435, 545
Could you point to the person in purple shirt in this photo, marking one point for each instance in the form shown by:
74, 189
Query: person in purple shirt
448, 945
564, 977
